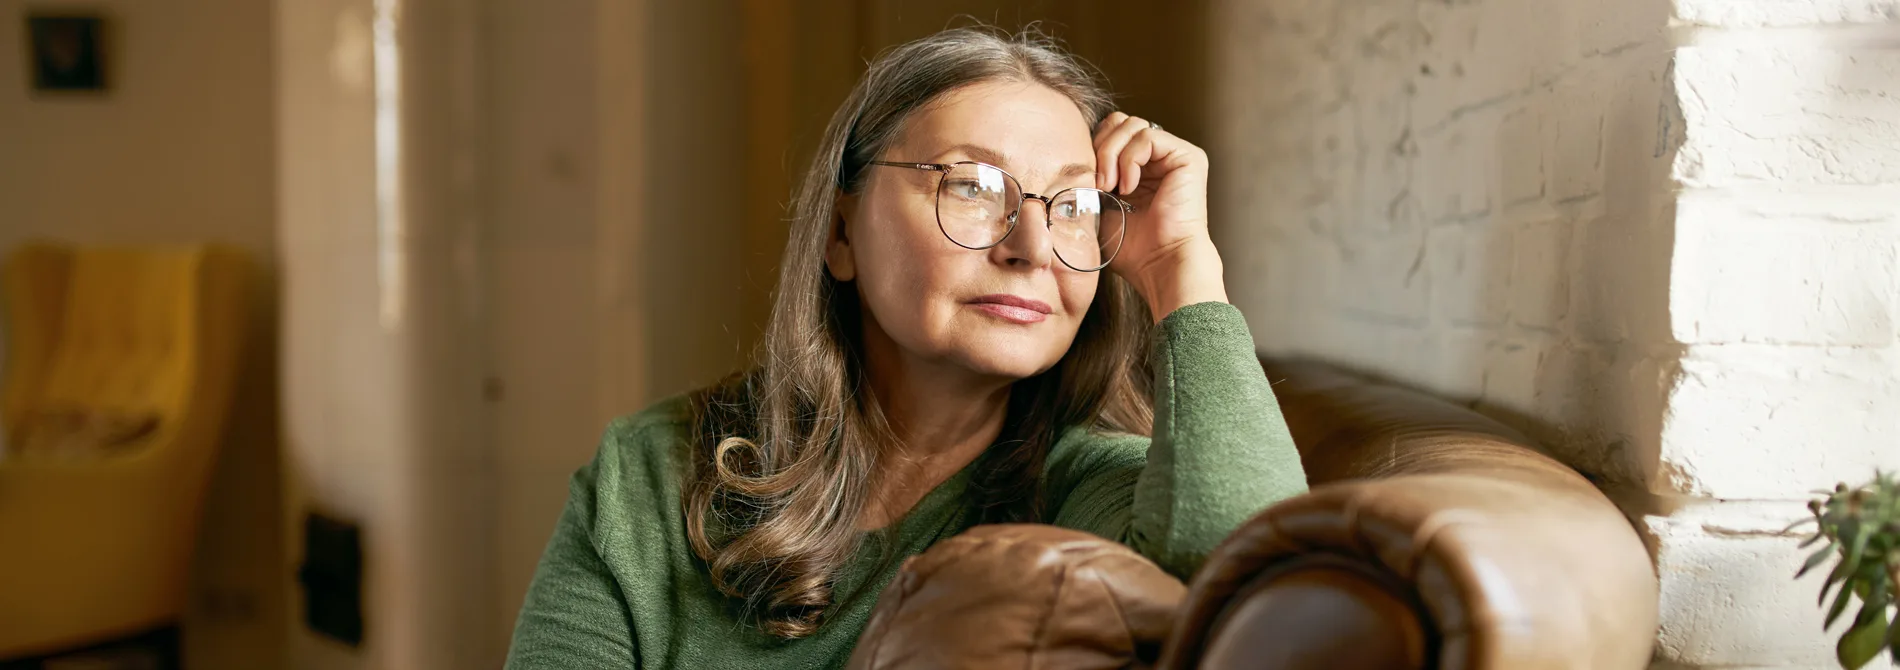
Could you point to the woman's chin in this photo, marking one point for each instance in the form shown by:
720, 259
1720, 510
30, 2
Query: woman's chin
1009, 365
1007, 352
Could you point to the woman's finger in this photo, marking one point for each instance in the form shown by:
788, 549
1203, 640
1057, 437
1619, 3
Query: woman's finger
1108, 148
1112, 120
1104, 161
1139, 150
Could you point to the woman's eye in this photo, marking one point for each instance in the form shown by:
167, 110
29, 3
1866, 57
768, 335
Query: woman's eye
965, 188
1066, 210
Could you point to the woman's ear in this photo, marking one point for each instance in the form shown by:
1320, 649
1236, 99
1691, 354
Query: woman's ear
838, 257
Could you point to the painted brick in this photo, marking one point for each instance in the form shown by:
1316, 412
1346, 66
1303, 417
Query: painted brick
1613, 27
1540, 277
1786, 115
1460, 165
1599, 408
1726, 329
1481, 55
1620, 294
1744, 277
1456, 365
1767, 422
1289, 276
1397, 351
1470, 268
1523, 170
1574, 137
1381, 275
1728, 595
1760, 13
1510, 375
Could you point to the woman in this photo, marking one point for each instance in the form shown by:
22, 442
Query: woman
944, 351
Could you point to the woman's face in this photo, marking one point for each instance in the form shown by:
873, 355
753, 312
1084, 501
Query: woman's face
935, 302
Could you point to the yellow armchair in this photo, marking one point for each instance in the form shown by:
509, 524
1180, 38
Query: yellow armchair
97, 544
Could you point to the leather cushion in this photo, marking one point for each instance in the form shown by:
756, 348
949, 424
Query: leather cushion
1021, 595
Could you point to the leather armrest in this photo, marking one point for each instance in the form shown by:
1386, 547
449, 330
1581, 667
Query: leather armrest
1506, 569
1021, 596
1318, 611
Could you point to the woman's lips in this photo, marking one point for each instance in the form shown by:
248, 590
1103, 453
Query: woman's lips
1015, 309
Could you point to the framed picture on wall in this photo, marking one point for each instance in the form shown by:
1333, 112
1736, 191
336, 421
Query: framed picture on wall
66, 52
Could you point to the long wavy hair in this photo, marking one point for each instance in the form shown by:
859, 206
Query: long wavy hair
789, 451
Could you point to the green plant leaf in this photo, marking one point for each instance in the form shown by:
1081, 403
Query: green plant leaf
1850, 563
1834, 611
1814, 560
1864, 641
1836, 577
1816, 537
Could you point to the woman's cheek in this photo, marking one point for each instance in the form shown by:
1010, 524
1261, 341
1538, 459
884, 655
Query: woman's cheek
1078, 293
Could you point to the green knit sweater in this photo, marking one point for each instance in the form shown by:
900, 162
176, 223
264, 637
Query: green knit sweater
619, 586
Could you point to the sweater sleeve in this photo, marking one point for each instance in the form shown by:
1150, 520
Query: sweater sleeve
574, 615
1221, 451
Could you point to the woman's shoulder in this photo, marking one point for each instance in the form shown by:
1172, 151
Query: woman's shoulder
651, 444
668, 432
669, 417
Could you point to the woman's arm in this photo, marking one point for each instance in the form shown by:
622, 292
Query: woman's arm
574, 616
1220, 453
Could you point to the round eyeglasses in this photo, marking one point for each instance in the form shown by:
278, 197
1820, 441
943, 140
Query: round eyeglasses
978, 205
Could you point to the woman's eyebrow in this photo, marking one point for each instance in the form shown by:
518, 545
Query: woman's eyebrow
997, 158
977, 153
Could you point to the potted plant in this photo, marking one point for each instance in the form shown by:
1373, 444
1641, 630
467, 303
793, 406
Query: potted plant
1860, 529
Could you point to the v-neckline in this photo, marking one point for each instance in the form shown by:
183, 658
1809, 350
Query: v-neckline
932, 502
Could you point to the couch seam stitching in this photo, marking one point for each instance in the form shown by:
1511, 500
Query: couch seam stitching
1042, 627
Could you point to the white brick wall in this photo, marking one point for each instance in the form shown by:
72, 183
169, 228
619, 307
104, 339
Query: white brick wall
1425, 188
1662, 238
1751, 13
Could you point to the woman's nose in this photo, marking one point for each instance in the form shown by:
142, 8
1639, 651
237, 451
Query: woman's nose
1028, 243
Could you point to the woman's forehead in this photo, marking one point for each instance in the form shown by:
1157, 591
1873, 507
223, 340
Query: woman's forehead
1022, 127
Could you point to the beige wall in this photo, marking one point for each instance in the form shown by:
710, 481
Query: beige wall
541, 124
693, 258
179, 150
542, 292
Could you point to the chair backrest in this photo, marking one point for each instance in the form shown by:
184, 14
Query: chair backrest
33, 281
131, 333
126, 337
1350, 427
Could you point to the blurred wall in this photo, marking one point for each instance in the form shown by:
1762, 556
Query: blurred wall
509, 223
542, 130
573, 275
179, 150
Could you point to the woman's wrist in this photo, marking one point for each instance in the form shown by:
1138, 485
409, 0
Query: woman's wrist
1190, 274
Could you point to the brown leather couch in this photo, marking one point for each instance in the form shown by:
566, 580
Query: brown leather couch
1433, 537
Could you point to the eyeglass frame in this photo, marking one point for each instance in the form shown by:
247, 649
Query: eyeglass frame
1049, 201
